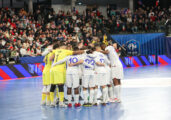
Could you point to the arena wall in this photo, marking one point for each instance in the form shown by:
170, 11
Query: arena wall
15, 71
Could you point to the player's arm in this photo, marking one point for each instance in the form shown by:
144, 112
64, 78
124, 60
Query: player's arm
46, 52
44, 60
77, 63
52, 57
81, 62
107, 61
60, 61
100, 64
105, 52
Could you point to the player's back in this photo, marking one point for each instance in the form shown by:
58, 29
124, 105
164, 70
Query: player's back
100, 57
48, 63
73, 59
113, 56
89, 59
60, 54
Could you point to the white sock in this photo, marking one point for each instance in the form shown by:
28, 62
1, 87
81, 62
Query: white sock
111, 92
76, 98
85, 93
119, 93
91, 96
104, 93
107, 94
116, 90
95, 95
69, 98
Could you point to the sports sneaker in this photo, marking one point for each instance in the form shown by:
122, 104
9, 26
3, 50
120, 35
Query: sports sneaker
111, 100
85, 104
69, 105
89, 104
115, 99
77, 105
61, 104
104, 104
52, 105
118, 100
43, 103
95, 104
48, 103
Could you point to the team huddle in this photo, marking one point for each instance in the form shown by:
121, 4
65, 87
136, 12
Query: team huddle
83, 71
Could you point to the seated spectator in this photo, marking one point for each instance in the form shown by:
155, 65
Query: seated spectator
23, 51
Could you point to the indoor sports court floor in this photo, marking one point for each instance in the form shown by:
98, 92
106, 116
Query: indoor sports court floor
146, 95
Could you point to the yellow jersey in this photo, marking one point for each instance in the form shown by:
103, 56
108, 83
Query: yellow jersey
60, 54
46, 71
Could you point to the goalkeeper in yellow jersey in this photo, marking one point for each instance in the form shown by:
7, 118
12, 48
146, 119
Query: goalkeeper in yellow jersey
46, 79
58, 73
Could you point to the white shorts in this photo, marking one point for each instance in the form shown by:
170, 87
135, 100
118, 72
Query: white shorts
88, 81
101, 79
72, 80
46, 88
108, 77
95, 79
117, 72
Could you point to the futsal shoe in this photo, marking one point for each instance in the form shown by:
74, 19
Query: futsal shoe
52, 105
62, 105
77, 105
111, 100
69, 105
43, 103
95, 104
48, 103
89, 104
117, 100
85, 104
104, 104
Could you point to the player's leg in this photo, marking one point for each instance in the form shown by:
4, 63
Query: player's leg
43, 101
85, 87
104, 93
57, 95
69, 94
116, 88
110, 85
95, 95
69, 89
52, 90
61, 95
48, 95
75, 86
91, 89
103, 84
95, 89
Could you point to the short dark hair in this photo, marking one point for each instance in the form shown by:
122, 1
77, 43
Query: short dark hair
55, 46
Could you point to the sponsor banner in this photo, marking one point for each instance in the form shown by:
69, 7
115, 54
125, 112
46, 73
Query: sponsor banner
14, 71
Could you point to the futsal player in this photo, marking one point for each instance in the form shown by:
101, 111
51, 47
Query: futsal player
88, 80
72, 77
101, 71
116, 70
46, 79
59, 72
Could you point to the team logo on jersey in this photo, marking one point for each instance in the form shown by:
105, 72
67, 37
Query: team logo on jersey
133, 47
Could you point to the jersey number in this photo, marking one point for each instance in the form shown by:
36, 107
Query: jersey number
91, 62
102, 60
73, 60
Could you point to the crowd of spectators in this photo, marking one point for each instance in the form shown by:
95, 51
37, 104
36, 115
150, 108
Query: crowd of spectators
25, 34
